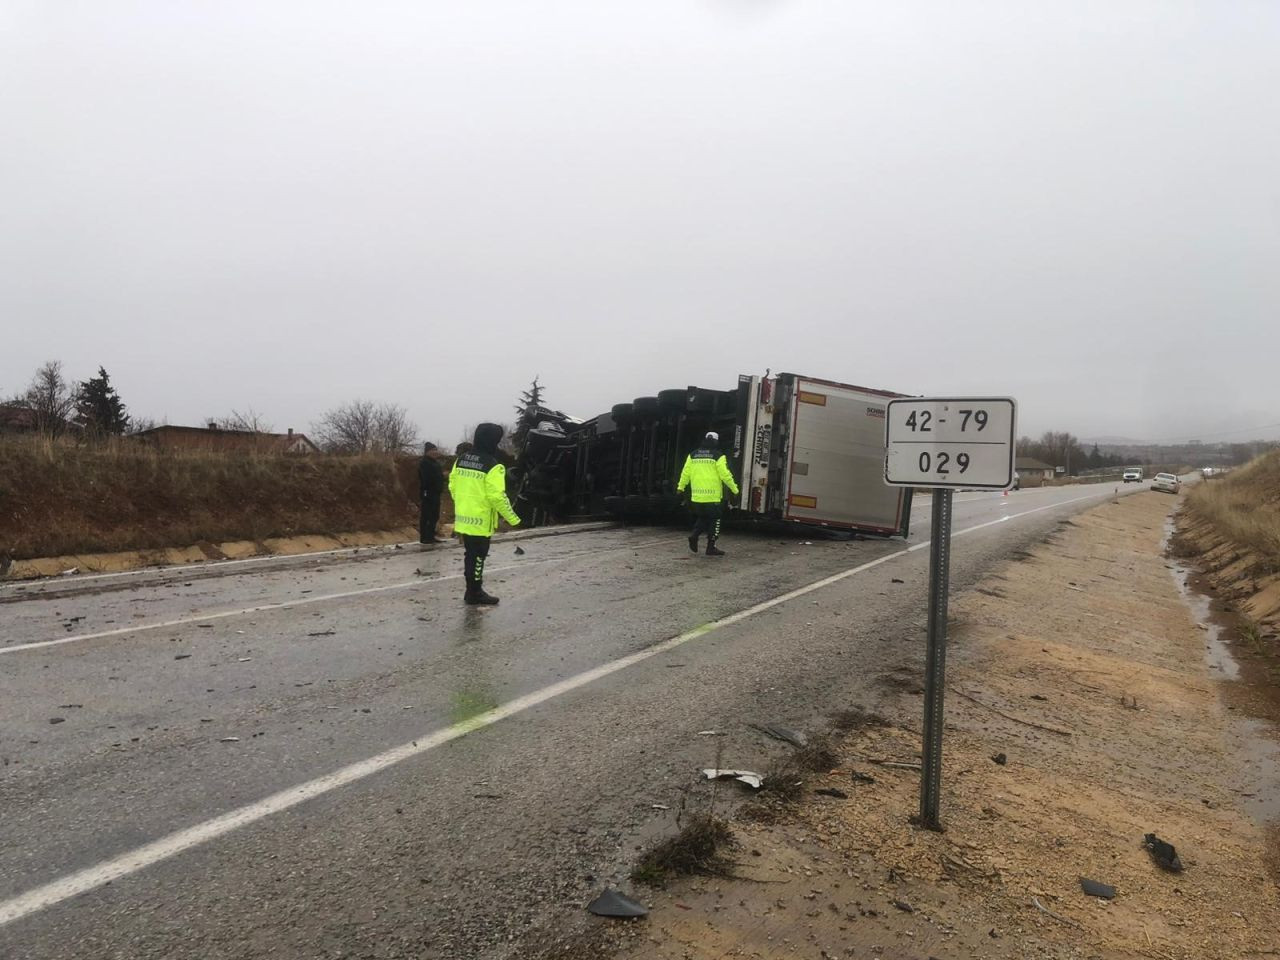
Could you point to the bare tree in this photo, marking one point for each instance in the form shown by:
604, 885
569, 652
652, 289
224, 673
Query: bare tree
363, 426
141, 425
249, 421
51, 399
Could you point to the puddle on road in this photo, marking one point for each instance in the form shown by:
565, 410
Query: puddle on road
1252, 716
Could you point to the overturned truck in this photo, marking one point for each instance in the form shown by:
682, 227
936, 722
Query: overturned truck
804, 451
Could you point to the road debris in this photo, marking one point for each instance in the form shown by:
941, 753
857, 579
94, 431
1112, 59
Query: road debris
229, 740
57, 719
831, 792
1164, 854
1000, 759
753, 780
785, 734
519, 551
857, 776
1093, 888
617, 905
1035, 902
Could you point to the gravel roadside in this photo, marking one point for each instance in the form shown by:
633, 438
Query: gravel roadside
1082, 715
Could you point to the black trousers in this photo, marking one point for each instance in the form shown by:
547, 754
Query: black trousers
428, 516
474, 550
706, 519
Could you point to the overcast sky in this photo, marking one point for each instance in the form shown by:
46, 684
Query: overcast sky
287, 205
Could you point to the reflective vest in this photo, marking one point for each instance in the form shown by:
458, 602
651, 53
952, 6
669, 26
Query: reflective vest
706, 472
478, 485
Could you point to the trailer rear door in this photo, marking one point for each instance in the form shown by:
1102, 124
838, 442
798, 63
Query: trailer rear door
836, 469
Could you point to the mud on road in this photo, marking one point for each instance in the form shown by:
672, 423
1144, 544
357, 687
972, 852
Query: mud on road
1082, 714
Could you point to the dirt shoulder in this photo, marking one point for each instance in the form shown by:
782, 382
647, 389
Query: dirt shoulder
1082, 666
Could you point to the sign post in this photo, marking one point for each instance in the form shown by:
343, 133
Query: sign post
945, 444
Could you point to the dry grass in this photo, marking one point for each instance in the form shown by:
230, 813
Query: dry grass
1244, 507
698, 848
61, 498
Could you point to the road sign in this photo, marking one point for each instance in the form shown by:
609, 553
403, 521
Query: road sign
945, 443
950, 442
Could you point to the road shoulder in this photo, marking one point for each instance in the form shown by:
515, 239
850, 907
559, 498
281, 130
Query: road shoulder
1081, 716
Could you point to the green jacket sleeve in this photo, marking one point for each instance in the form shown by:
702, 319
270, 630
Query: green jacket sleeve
684, 475
451, 484
495, 483
722, 468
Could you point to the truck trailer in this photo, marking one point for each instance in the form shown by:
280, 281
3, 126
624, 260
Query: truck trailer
805, 452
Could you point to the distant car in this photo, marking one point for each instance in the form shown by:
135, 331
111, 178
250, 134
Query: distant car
1133, 475
1168, 482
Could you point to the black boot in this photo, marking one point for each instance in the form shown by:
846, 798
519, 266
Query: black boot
713, 550
475, 596
693, 543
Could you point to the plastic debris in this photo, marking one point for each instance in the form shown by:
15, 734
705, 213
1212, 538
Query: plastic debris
1164, 854
753, 780
1093, 888
611, 903
229, 740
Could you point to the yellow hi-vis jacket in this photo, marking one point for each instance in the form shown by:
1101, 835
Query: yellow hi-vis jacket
706, 472
478, 485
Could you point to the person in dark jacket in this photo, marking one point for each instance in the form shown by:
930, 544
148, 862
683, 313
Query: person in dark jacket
430, 488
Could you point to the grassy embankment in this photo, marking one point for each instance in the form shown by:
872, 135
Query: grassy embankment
1244, 507
58, 498
1233, 526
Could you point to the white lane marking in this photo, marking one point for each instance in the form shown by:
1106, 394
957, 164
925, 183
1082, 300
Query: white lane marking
72, 885
306, 601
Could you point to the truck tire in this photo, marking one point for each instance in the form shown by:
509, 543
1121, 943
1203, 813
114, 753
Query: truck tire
673, 401
700, 402
646, 406
622, 412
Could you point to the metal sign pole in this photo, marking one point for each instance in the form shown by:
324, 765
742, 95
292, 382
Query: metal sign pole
936, 661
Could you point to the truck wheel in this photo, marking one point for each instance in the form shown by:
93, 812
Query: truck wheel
673, 400
646, 406
700, 402
622, 412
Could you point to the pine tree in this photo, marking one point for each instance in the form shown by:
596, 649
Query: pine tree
527, 414
100, 408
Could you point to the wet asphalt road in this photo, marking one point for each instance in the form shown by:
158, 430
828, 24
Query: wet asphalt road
482, 846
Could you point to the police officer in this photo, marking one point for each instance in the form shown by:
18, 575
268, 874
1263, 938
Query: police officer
430, 486
706, 473
478, 485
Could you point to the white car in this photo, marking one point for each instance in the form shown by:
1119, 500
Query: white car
1133, 475
1167, 482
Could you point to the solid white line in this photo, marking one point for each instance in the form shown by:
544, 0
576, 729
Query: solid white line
306, 601
142, 857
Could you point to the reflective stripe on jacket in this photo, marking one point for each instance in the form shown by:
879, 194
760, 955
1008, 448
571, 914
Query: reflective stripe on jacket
706, 473
478, 485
